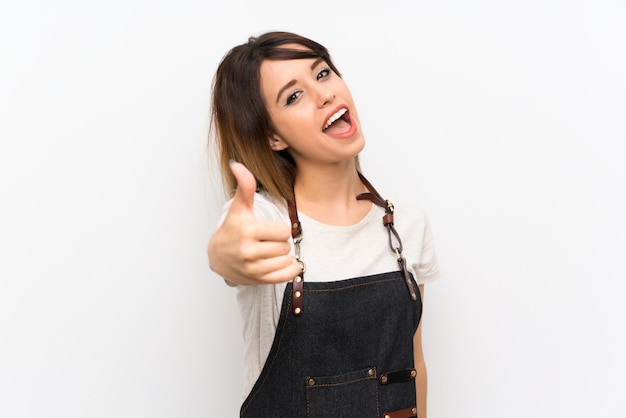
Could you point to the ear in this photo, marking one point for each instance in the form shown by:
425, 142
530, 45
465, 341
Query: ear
277, 143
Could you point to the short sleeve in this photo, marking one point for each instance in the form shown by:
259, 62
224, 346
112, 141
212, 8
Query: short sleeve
427, 269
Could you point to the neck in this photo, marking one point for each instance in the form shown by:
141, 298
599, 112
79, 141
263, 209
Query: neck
328, 194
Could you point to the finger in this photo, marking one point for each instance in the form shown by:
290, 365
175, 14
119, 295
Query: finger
246, 186
281, 270
270, 231
263, 250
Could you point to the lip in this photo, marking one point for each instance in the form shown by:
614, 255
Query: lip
349, 132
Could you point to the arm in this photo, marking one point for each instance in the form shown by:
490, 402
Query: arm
244, 250
420, 367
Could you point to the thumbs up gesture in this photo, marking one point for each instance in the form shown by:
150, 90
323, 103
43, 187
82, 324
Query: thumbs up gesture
244, 250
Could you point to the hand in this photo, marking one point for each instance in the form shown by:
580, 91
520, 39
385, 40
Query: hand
246, 251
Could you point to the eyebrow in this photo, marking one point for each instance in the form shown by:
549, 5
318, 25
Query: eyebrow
292, 82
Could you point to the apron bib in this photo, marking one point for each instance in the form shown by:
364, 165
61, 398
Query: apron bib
349, 355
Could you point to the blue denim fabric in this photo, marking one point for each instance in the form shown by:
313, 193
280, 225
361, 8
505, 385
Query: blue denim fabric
327, 362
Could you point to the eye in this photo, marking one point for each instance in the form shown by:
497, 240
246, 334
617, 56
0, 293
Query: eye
323, 73
292, 97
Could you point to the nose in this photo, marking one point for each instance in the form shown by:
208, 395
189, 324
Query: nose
325, 96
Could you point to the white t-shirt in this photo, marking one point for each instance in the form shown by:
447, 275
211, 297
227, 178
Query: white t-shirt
331, 253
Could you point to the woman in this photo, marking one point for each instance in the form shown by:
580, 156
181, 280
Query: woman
330, 304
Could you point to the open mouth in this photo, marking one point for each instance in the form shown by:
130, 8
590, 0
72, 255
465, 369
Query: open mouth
338, 123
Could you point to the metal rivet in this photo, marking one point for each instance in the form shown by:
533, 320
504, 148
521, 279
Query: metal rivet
298, 294
413, 373
294, 226
311, 382
297, 311
371, 372
387, 416
414, 411
298, 279
383, 379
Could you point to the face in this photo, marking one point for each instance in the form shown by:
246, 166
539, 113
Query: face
312, 112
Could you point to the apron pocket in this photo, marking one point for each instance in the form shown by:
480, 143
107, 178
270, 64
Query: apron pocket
353, 394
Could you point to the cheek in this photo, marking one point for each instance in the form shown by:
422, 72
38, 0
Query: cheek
296, 122
348, 94
280, 124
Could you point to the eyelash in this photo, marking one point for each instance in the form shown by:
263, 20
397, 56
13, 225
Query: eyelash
294, 96
325, 71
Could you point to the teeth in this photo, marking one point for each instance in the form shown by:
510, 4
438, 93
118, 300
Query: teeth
334, 117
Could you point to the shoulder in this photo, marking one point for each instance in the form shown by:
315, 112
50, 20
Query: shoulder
267, 207
408, 209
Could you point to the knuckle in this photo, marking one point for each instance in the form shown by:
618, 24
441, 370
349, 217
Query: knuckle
283, 249
247, 252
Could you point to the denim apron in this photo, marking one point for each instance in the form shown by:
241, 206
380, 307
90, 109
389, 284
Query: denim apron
342, 348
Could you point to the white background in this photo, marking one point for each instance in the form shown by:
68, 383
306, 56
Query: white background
506, 119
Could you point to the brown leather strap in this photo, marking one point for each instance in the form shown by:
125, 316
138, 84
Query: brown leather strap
373, 195
402, 413
296, 227
297, 294
297, 291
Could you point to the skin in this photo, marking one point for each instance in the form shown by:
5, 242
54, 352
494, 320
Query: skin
299, 95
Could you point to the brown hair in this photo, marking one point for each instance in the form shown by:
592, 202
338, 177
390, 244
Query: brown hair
239, 118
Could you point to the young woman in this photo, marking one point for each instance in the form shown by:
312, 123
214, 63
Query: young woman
329, 274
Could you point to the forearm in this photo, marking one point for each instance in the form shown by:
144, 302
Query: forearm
421, 378
421, 389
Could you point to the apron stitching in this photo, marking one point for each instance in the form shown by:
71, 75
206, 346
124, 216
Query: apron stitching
339, 384
352, 285
377, 408
308, 404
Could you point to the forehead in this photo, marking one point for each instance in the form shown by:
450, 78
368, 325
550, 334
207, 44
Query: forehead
286, 69
283, 67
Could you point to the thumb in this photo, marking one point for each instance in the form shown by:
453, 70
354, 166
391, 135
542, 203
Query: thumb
243, 201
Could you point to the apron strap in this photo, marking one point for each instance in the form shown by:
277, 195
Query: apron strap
378, 200
297, 293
